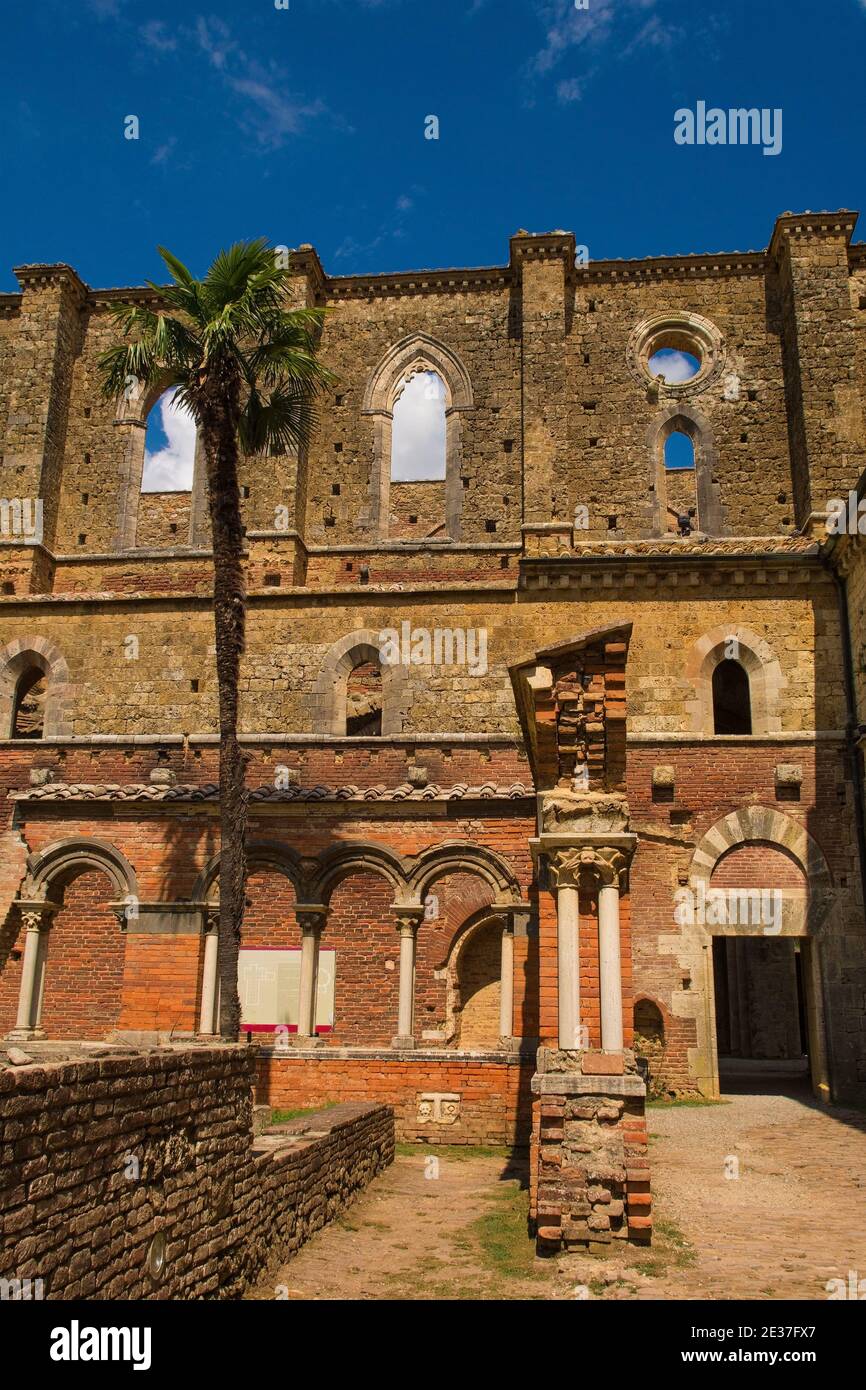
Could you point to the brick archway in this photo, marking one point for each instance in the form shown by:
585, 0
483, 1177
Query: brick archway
694, 944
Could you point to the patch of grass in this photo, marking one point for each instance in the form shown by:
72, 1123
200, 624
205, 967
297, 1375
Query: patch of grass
673, 1241
282, 1117
505, 1247
460, 1152
678, 1102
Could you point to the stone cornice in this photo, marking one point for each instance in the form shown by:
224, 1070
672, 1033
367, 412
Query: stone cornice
31, 276
632, 569
722, 265
135, 294
802, 226
547, 246
411, 282
305, 261
522, 247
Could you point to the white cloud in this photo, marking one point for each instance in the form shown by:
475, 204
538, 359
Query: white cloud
163, 153
215, 40
569, 90
569, 30
394, 228
418, 437
155, 36
169, 469
676, 366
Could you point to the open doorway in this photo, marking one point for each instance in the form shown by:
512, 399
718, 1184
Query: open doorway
762, 1035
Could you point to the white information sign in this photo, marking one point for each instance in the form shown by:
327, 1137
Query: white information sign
269, 987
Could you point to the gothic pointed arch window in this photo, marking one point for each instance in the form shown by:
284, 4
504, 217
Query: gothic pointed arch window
738, 683
162, 492
415, 399
682, 471
359, 692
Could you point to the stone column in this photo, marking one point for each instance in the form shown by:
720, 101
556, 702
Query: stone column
565, 867
604, 864
610, 865
506, 982
311, 920
36, 919
408, 921
210, 973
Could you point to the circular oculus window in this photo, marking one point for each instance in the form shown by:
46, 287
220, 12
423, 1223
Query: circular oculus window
685, 349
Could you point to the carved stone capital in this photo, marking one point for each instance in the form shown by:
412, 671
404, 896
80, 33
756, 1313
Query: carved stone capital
36, 914
407, 919
601, 865
311, 917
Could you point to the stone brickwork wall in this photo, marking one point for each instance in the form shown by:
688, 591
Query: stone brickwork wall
590, 1171
555, 411
170, 686
163, 519
103, 1156
474, 1098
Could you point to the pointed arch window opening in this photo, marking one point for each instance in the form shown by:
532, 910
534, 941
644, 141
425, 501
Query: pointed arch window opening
169, 446
418, 429
679, 452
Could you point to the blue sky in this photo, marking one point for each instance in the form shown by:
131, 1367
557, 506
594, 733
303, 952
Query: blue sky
306, 124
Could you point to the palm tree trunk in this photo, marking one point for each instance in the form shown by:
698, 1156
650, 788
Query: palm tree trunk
220, 413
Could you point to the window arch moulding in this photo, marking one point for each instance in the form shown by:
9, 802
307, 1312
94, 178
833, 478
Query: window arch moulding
418, 352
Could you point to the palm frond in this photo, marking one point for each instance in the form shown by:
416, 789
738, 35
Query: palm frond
284, 420
176, 268
278, 362
226, 280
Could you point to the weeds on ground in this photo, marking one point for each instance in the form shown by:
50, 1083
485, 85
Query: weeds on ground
282, 1117
691, 1102
458, 1152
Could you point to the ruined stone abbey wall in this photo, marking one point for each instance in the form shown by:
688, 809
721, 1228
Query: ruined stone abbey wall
556, 518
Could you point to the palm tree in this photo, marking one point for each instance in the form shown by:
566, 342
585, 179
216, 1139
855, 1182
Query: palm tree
245, 368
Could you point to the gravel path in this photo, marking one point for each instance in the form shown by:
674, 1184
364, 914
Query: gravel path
762, 1197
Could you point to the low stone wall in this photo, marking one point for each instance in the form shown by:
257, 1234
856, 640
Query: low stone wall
137, 1176
590, 1174
464, 1098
